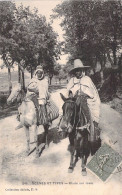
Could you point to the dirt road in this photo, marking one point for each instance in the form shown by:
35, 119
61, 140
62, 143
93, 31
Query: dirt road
52, 165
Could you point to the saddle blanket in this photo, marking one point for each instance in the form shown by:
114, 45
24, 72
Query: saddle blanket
48, 112
52, 110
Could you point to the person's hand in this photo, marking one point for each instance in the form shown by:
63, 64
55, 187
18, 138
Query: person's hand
82, 93
85, 95
48, 96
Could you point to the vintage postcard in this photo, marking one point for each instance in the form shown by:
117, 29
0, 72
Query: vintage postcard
60, 97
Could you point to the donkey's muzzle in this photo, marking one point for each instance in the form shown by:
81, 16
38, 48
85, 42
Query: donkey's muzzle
63, 125
67, 127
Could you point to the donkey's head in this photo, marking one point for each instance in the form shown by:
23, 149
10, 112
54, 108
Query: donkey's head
69, 114
15, 94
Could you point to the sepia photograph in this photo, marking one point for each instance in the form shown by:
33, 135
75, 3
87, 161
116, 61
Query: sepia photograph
61, 97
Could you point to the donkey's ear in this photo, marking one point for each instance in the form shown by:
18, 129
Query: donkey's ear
63, 98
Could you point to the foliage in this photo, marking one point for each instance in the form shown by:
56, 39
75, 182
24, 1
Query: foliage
57, 68
28, 38
7, 19
92, 30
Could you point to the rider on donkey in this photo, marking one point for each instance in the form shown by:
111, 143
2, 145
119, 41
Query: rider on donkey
80, 81
37, 91
82, 84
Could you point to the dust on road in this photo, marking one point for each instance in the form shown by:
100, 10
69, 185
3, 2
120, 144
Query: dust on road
53, 163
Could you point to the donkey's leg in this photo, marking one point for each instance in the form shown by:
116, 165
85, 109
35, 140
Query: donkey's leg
28, 139
46, 127
76, 158
71, 167
36, 140
72, 151
83, 165
77, 150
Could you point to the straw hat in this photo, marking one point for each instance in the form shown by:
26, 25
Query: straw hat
78, 65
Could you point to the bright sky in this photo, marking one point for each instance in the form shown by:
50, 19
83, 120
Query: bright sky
45, 7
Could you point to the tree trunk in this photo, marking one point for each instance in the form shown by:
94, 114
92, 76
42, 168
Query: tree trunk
113, 82
50, 80
120, 68
9, 80
19, 75
114, 55
31, 72
59, 81
110, 60
115, 45
102, 63
102, 76
94, 70
94, 64
23, 81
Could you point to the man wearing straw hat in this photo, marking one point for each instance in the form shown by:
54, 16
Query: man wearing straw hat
80, 81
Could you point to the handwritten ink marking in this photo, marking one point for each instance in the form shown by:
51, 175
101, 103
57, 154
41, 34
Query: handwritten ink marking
103, 160
119, 168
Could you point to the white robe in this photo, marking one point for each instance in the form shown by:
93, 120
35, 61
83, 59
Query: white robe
41, 86
88, 87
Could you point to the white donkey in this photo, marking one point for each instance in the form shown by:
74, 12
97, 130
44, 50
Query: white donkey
27, 113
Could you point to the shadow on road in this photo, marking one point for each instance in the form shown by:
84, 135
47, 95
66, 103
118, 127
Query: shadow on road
53, 137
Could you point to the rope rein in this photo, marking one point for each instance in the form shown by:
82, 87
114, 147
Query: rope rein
86, 126
70, 101
81, 128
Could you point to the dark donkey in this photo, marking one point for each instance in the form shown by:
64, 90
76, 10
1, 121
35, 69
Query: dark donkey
76, 122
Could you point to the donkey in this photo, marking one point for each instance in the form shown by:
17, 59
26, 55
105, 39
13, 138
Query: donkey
28, 115
76, 124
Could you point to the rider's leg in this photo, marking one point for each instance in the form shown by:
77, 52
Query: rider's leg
18, 118
96, 144
41, 111
43, 115
35, 101
18, 113
97, 130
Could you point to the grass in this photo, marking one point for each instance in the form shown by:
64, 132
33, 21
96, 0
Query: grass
4, 85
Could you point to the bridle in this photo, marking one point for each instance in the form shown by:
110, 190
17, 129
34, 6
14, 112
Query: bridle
86, 126
69, 125
81, 128
16, 96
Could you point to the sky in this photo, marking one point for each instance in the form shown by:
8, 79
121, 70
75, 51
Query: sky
45, 7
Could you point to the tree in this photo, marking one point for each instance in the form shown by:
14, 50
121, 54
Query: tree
36, 40
57, 68
7, 10
29, 40
92, 30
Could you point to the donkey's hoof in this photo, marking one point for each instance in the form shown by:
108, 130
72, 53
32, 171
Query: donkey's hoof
37, 154
84, 172
70, 169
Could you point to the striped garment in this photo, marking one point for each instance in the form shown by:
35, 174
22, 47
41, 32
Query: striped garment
48, 113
